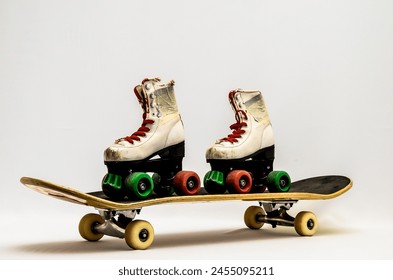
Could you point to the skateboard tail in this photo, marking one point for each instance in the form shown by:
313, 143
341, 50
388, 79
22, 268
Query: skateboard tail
61, 192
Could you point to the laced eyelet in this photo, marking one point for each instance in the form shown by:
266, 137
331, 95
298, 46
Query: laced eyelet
237, 128
141, 132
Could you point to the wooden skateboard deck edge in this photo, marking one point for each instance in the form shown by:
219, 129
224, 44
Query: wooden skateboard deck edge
78, 197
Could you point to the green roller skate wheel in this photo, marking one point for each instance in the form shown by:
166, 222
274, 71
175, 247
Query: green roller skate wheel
112, 186
278, 181
139, 185
214, 182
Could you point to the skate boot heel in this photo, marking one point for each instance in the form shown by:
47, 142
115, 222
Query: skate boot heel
174, 151
265, 154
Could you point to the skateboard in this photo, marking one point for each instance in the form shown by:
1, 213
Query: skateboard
117, 218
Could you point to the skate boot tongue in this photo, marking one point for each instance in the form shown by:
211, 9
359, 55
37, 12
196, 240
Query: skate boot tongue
161, 98
247, 105
141, 98
157, 101
144, 102
142, 92
251, 102
251, 133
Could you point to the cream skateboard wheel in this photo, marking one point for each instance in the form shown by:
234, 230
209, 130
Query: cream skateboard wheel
251, 217
87, 227
139, 235
306, 223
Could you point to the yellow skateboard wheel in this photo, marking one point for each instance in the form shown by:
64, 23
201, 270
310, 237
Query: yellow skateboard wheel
139, 235
87, 225
306, 223
251, 217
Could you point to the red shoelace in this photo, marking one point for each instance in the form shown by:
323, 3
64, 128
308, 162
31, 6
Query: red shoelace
141, 132
237, 128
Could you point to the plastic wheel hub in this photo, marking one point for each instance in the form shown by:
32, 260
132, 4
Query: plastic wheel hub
144, 235
142, 186
190, 184
310, 224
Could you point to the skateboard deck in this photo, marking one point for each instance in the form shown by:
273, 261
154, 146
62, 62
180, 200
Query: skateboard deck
117, 217
323, 187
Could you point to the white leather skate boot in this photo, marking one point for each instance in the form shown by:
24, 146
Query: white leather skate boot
161, 127
242, 161
252, 131
156, 147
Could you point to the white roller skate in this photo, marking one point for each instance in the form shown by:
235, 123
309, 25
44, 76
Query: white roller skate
156, 147
241, 161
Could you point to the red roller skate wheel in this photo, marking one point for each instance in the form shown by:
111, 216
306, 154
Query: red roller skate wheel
239, 181
186, 183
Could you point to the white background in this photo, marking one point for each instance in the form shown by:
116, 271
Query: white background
67, 70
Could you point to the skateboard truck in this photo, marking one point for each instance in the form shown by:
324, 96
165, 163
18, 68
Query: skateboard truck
112, 226
276, 213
